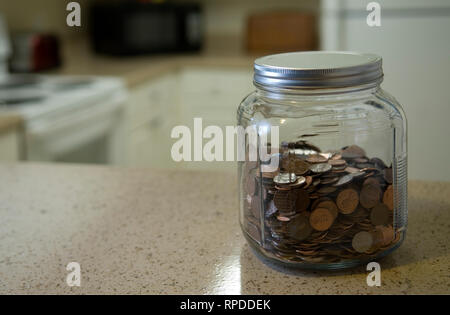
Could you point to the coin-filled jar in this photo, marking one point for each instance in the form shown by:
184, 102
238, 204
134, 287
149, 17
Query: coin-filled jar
324, 181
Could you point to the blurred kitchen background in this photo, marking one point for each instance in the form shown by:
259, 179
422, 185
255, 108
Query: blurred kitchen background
111, 90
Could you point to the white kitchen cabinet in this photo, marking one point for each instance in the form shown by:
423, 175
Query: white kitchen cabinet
150, 114
213, 94
158, 105
9, 146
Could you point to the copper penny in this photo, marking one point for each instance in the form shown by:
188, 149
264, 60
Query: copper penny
300, 167
336, 156
370, 196
347, 200
337, 162
321, 219
387, 233
302, 201
284, 200
352, 170
299, 228
316, 158
326, 190
330, 205
371, 181
380, 215
353, 152
308, 181
388, 197
283, 219
388, 175
362, 242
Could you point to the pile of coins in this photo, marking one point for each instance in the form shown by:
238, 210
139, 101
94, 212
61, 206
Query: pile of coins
320, 207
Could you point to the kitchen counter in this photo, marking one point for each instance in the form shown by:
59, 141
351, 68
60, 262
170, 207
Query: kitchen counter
9, 123
144, 231
79, 59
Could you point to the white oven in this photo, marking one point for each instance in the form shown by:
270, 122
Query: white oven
77, 119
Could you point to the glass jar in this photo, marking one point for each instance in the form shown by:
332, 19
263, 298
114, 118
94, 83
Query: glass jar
324, 181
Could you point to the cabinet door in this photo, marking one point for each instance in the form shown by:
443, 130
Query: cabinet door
151, 102
9, 146
213, 94
150, 113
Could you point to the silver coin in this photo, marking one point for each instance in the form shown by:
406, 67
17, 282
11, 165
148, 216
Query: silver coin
300, 181
357, 174
326, 155
344, 180
285, 178
320, 168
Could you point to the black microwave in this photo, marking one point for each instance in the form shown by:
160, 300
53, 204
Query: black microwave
133, 28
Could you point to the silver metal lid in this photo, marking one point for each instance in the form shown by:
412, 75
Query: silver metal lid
318, 69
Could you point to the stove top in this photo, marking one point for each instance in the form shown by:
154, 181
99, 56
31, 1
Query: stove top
35, 95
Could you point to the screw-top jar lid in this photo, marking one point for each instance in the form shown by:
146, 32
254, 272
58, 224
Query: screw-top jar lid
318, 69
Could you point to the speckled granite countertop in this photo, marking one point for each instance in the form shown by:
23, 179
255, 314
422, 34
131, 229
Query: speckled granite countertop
143, 231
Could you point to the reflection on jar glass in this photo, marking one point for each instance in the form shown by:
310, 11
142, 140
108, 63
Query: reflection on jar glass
338, 196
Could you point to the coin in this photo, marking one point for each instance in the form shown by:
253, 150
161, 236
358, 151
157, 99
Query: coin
285, 178
299, 228
326, 199
362, 241
387, 233
326, 190
347, 200
371, 181
344, 180
300, 167
330, 205
300, 181
302, 202
330, 180
321, 219
353, 152
388, 175
283, 219
370, 196
320, 168
337, 162
308, 181
352, 170
336, 156
380, 215
378, 163
388, 197
284, 200
316, 158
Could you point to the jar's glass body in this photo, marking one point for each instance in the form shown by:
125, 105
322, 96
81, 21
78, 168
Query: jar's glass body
340, 216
